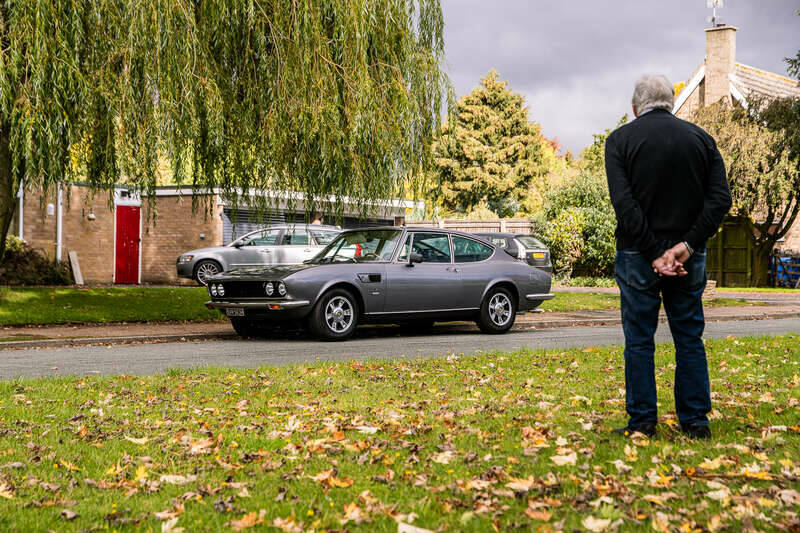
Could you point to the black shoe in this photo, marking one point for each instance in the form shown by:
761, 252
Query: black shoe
697, 431
648, 428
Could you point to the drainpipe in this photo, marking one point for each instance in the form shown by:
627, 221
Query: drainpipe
58, 223
21, 196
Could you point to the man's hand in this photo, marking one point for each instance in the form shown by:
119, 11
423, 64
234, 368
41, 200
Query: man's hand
671, 263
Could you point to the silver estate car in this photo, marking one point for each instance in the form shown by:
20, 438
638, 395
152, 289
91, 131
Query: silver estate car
276, 245
411, 276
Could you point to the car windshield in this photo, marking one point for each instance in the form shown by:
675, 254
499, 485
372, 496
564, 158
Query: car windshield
360, 247
530, 242
323, 236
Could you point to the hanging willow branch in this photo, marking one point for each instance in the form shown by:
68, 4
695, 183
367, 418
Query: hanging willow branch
325, 98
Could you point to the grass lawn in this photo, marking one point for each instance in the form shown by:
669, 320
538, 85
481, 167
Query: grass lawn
65, 305
497, 441
20, 306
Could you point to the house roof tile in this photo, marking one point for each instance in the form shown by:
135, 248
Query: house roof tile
754, 80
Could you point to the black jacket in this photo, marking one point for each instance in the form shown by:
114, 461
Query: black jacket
667, 183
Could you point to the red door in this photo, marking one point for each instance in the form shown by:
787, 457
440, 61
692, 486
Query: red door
126, 269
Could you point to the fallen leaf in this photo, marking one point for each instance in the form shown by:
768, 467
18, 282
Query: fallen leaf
6, 491
169, 526
68, 514
595, 524
249, 520
140, 441
443, 457
562, 460
173, 479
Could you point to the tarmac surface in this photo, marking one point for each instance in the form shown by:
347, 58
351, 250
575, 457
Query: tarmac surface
148, 357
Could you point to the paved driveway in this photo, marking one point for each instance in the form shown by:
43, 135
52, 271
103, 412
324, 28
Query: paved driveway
289, 349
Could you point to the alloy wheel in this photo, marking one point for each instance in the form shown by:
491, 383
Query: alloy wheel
206, 270
500, 309
339, 314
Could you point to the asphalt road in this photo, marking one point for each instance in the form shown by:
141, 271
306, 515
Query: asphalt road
294, 348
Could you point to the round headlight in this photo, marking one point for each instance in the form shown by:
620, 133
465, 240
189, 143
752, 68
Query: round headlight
220, 290
213, 290
281, 289
268, 288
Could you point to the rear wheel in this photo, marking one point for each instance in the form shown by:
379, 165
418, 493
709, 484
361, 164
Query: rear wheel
204, 270
498, 311
335, 316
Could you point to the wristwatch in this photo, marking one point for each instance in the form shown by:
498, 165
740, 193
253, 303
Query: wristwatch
688, 248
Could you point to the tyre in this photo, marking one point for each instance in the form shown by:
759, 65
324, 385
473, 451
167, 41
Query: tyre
245, 327
335, 316
498, 311
206, 269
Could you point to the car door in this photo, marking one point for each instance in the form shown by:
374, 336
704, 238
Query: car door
257, 249
432, 285
295, 248
471, 258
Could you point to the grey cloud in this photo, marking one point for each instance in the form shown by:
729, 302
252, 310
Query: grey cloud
576, 62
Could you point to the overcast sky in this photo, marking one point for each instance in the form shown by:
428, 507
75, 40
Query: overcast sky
575, 61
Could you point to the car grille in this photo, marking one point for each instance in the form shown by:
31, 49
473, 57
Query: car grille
244, 289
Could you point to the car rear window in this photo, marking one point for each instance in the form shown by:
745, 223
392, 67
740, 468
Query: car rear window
530, 242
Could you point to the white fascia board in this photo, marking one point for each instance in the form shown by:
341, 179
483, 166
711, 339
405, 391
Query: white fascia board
689, 89
735, 92
285, 197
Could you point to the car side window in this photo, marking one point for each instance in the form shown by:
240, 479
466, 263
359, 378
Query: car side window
323, 237
433, 247
469, 251
296, 236
500, 241
263, 238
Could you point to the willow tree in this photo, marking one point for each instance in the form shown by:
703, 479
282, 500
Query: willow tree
325, 98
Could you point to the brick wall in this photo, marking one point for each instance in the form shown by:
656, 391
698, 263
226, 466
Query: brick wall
176, 230
93, 240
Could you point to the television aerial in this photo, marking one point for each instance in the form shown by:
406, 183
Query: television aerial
713, 5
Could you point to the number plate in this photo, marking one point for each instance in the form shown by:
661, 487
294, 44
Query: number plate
538, 255
234, 311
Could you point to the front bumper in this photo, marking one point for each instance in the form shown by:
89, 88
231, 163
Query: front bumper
185, 270
265, 309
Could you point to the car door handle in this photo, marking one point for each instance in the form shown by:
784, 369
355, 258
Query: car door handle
307, 250
266, 251
453, 269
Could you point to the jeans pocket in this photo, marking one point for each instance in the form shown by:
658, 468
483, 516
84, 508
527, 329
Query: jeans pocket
638, 271
696, 269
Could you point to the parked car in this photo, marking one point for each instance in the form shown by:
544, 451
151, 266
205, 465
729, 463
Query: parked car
524, 247
390, 275
276, 245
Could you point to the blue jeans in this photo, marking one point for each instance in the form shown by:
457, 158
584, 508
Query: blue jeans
641, 291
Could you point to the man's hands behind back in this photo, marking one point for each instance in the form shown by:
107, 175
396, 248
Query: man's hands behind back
672, 261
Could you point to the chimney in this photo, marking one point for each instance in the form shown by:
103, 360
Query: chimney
720, 62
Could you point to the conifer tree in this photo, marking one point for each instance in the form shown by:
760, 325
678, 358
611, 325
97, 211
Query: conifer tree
489, 153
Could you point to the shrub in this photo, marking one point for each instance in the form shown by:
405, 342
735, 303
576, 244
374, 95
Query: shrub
22, 265
577, 223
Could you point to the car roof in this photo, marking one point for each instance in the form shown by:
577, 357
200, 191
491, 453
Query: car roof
422, 228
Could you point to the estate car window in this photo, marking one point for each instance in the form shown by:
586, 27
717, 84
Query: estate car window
323, 237
469, 251
261, 238
296, 236
433, 247
499, 241
530, 242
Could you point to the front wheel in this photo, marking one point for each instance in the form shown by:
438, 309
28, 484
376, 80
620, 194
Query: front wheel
204, 270
498, 311
245, 327
335, 316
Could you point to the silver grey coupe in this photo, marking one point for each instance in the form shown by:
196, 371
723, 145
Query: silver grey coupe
411, 276
276, 245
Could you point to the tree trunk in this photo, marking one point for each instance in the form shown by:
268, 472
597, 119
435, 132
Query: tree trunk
760, 267
8, 189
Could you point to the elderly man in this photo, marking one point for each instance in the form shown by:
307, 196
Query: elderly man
668, 187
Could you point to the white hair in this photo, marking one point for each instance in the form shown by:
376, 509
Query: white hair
653, 91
